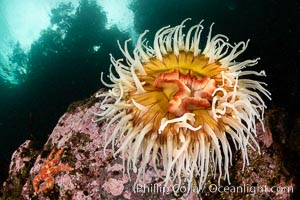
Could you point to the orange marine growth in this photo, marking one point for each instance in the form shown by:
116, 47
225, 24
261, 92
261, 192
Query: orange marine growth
48, 170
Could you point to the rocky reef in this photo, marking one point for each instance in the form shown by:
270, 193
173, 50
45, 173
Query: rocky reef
98, 174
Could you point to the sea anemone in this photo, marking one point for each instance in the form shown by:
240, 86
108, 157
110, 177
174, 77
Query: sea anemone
175, 106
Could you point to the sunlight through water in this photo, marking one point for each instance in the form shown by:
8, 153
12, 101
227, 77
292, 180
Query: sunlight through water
21, 23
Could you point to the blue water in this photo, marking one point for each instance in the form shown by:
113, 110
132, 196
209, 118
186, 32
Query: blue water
46, 63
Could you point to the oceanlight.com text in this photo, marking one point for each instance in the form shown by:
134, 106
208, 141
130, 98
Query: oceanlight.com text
212, 188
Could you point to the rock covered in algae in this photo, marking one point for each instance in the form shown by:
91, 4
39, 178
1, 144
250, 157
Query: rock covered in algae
99, 175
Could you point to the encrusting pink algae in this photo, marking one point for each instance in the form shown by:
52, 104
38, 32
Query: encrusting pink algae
100, 176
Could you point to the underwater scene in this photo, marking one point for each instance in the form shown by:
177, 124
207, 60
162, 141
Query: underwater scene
149, 99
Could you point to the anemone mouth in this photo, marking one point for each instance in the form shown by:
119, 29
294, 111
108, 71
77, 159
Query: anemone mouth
175, 86
175, 105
